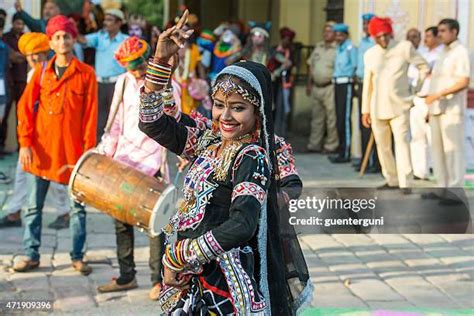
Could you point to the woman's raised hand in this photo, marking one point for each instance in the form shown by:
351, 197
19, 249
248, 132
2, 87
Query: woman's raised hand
172, 39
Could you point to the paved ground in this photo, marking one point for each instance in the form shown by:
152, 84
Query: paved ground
358, 272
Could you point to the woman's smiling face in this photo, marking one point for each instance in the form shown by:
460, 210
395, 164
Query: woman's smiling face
234, 116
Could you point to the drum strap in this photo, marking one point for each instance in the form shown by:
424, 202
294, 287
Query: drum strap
164, 170
115, 107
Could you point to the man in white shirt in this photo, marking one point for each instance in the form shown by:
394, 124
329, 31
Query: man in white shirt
420, 130
386, 100
447, 101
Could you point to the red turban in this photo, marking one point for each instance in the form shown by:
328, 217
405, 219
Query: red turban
378, 26
287, 32
61, 23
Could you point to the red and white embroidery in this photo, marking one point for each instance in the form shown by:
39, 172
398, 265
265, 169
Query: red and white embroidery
209, 248
191, 142
286, 160
202, 122
251, 189
253, 151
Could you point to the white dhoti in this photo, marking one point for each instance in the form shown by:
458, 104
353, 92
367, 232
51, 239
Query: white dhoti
420, 143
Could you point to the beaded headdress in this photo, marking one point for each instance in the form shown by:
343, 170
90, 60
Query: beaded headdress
228, 87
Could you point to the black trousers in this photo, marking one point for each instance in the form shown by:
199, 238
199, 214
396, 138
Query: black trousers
106, 94
365, 132
343, 100
125, 247
15, 94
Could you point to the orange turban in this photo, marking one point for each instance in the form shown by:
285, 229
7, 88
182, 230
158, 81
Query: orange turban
132, 52
33, 43
61, 23
379, 26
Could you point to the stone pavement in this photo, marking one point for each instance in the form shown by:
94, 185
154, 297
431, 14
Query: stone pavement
359, 272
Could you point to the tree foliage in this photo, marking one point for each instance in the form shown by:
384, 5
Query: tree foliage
151, 10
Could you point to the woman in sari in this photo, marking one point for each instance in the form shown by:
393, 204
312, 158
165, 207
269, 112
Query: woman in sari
228, 256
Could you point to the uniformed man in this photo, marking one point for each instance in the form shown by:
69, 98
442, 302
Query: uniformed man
366, 42
344, 71
386, 100
447, 103
323, 137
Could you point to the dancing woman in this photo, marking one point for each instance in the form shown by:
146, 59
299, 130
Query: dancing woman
228, 256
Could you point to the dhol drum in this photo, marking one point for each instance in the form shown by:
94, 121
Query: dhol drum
122, 192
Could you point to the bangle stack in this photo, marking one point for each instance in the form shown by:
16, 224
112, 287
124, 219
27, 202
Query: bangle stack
192, 254
168, 99
158, 73
151, 107
169, 104
175, 255
206, 247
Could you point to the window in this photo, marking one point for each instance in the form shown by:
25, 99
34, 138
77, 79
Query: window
335, 10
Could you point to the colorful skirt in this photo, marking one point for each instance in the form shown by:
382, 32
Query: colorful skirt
225, 287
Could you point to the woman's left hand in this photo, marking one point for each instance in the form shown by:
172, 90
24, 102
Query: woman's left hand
172, 39
175, 279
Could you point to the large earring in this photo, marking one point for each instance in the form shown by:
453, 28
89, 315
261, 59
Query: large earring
215, 127
256, 132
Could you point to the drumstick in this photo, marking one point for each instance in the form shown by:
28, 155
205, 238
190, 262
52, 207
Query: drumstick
367, 153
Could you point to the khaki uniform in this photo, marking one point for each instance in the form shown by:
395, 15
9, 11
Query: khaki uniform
387, 98
323, 122
447, 116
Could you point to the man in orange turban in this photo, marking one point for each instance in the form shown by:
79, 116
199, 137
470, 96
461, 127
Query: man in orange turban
57, 119
33, 43
35, 47
386, 100
124, 142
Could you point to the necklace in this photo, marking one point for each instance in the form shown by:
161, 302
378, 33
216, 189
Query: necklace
227, 155
56, 69
223, 162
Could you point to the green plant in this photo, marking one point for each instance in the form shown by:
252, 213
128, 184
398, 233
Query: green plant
151, 10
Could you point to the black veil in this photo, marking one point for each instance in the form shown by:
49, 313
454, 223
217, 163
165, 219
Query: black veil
282, 275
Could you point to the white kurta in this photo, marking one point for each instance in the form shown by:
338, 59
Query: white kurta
420, 131
387, 98
447, 116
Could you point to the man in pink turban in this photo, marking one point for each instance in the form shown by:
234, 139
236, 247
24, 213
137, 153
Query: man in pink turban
57, 117
61, 23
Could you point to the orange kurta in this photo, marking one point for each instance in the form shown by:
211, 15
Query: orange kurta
64, 124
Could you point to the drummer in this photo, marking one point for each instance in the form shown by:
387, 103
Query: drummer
124, 142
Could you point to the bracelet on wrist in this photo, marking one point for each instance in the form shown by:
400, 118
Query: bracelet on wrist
158, 73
